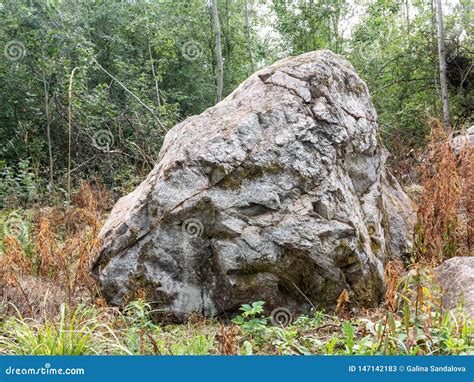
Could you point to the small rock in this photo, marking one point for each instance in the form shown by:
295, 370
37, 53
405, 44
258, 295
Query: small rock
456, 276
464, 140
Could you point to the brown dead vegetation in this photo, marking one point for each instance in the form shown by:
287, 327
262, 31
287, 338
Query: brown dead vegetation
56, 268
445, 212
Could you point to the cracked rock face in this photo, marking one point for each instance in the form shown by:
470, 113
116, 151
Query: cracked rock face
278, 193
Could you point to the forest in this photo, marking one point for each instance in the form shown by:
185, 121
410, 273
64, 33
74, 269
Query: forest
90, 89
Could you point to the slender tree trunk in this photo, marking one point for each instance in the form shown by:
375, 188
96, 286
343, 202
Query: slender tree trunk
442, 69
69, 145
157, 88
434, 52
48, 128
407, 10
249, 37
226, 36
335, 28
152, 61
220, 70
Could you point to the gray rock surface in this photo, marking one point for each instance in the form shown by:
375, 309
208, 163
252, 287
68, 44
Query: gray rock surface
278, 193
456, 276
464, 140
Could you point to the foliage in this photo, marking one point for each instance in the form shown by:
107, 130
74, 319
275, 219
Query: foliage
52, 245
251, 320
19, 185
143, 66
417, 325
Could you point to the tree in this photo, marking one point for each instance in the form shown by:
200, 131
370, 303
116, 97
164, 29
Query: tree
46, 85
310, 25
220, 69
147, 62
442, 68
249, 38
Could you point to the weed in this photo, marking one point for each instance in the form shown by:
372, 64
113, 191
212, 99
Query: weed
250, 320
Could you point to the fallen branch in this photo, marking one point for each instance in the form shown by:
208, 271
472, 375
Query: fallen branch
131, 93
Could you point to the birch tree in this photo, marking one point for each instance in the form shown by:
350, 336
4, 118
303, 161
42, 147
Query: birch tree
442, 69
220, 69
249, 37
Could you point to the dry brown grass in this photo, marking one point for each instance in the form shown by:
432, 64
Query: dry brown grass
227, 339
445, 211
63, 239
342, 303
393, 271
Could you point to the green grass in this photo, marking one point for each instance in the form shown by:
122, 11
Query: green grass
75, 332
88, 330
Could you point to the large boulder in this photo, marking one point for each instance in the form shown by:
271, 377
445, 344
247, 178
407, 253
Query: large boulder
456, 277
278, 193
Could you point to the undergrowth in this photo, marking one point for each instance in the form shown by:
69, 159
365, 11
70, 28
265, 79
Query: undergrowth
412, 323
45, 253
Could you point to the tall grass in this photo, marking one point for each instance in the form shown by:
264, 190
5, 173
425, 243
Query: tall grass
76, 332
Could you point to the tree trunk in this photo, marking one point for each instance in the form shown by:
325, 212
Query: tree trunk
407, 10
69, 123
434, 52
226, 36
220, 70
157, 88
442, 69
249, 37
48, 128
46, 86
